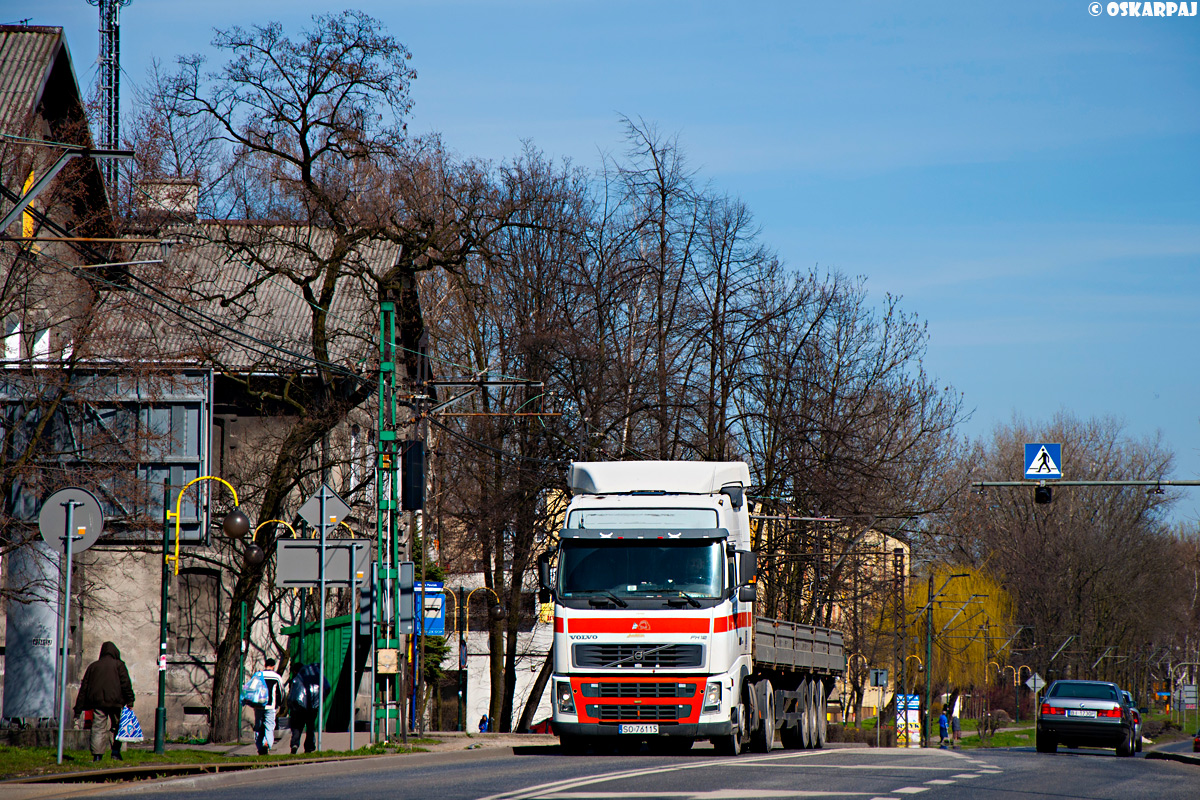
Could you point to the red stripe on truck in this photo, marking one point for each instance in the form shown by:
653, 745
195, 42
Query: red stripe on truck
638, 625
742, 619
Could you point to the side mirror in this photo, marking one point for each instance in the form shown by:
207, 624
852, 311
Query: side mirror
544, 575
736, 494
747, 566
748, 594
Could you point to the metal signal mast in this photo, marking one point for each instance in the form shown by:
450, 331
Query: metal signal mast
110, 85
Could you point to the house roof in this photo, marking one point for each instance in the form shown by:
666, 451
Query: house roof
29, 56
238, 311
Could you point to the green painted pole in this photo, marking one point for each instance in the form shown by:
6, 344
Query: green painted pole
242, 668
160, 713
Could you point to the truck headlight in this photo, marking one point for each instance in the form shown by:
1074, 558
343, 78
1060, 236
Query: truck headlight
563, 698
712, 696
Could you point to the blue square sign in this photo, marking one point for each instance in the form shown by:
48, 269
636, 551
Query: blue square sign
1043, 462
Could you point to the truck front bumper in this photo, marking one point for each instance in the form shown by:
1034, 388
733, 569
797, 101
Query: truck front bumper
693, 730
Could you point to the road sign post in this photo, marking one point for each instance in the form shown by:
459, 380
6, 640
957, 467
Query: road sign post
73, 520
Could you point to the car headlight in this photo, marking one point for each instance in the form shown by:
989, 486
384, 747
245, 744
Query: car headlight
563, 698
712, 696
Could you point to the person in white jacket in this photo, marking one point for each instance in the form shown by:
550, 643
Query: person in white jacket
264, 715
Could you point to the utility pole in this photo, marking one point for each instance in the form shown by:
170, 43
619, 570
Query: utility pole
929, 662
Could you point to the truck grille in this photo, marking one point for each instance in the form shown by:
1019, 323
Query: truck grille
638, 655
631, 713
638, 690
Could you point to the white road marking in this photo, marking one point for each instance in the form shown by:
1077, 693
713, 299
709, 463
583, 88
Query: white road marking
911, 790
940, 782
716, 794
906, 767
965, 775
577, 783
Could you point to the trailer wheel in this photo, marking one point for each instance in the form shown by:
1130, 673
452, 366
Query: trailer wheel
811, 717
822, 719
803, 706
763, 738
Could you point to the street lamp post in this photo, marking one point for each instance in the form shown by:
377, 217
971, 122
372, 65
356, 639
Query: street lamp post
235, 525
495, 611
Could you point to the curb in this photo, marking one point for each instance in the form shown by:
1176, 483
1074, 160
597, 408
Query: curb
1182, 758
170, 770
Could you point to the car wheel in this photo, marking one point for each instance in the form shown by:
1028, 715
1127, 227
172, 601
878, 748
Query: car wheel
1046, 744
1138, 746
1125, 748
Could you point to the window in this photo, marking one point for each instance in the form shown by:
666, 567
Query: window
12, 340
197, 609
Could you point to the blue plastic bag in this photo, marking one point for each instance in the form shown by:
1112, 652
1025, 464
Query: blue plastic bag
130, 730
254, 691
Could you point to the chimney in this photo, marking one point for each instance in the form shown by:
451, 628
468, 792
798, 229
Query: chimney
176, 199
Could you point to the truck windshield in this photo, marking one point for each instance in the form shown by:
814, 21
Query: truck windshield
641, 569
625, 518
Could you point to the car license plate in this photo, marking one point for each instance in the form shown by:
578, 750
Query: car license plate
1085, 713
637, 729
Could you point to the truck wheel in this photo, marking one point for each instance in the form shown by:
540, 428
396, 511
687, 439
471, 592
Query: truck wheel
810, 717
819, 709
803, 709
763, 738
731, 744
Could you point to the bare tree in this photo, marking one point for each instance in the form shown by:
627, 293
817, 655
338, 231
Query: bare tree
1083, 569
331, 203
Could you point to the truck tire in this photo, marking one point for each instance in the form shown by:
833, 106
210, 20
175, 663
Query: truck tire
822, 721
763, 737
731, 743
803, 708
810, 718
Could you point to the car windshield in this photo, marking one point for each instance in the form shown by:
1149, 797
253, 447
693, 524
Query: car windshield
1084, 691
631, 568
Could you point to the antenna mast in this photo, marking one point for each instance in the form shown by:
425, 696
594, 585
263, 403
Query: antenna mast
110, 86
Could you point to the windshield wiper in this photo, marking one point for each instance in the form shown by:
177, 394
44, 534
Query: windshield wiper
671, 601
621, 603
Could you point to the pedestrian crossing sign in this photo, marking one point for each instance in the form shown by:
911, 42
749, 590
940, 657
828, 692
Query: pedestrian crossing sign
1043, 462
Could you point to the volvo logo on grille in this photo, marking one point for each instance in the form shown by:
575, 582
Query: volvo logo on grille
639, 655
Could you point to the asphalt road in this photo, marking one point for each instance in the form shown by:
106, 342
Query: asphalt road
542, 773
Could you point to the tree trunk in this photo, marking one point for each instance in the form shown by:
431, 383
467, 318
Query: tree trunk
535, 693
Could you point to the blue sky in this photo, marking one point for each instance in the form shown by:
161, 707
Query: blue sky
1024, 174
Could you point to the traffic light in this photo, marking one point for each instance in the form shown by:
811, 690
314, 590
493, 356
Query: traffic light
412, 481
405, 584
366, 608
1042, 495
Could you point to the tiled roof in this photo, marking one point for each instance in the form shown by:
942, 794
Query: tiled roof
27, 56
234, 295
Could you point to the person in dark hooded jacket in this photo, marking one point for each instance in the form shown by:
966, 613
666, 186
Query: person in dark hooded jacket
104, 690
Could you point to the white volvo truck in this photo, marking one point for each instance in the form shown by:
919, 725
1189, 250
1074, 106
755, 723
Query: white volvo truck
655, 635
